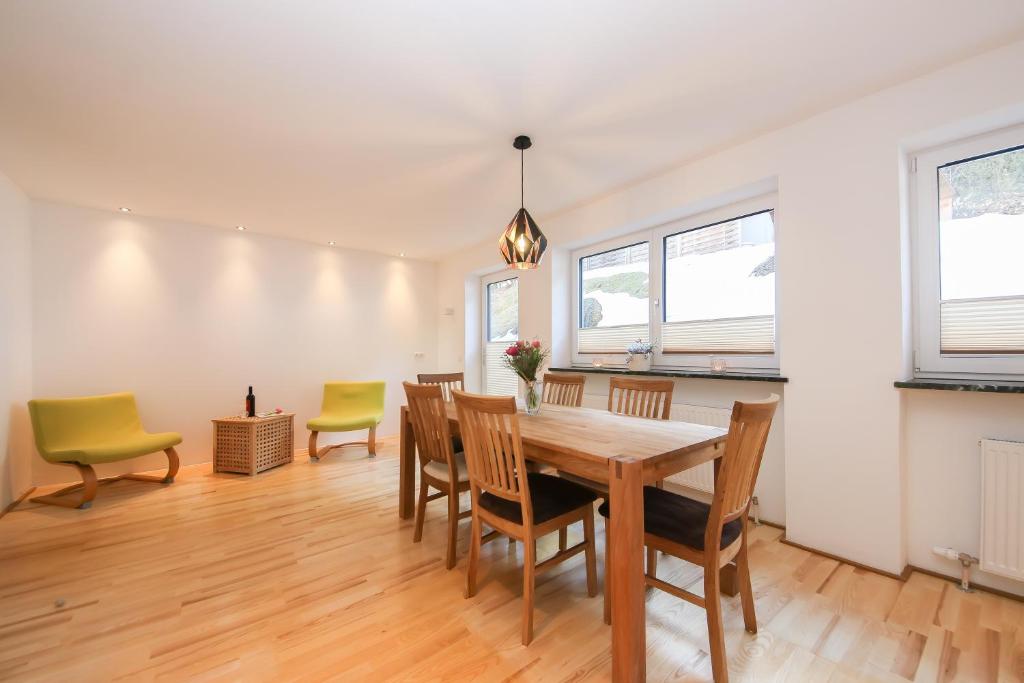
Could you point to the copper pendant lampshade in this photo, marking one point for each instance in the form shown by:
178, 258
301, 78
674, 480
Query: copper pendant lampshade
522, 244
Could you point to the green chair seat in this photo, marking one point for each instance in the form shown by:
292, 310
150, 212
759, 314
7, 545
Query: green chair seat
344, 423
112, 451
93, 429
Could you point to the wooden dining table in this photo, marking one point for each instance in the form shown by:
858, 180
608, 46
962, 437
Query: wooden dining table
625, 453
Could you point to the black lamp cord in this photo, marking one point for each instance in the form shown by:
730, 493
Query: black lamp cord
522, 168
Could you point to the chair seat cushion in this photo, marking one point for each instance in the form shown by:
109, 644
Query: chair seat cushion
439, 470
121, 448
551, 496
679, 519
344, 423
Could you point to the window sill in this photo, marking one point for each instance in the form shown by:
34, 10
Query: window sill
975, 385
693, 374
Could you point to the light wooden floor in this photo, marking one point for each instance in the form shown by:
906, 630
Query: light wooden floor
306, 573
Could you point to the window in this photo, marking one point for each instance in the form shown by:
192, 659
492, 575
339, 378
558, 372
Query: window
614, 295
970, 238
501, 326
711, 291
720, 288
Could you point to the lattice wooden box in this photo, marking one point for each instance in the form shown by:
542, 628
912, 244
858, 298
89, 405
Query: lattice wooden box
252, 444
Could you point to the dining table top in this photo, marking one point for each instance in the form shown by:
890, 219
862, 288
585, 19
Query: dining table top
599, 435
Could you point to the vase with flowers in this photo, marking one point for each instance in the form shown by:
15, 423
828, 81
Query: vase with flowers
638, 355
525, 358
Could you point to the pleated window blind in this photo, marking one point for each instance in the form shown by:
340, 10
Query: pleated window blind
498, 379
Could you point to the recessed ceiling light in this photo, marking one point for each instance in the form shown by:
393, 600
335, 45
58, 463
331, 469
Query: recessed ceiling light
401, 253
331, 243
124, 209
239, 227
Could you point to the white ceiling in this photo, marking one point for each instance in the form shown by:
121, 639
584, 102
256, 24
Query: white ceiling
387, 125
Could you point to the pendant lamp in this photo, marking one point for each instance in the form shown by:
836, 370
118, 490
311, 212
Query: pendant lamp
522, 245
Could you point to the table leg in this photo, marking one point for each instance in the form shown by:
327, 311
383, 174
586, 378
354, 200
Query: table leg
727, 581
626, 580
406, 466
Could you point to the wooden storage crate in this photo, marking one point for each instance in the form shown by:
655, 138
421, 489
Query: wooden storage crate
252, 444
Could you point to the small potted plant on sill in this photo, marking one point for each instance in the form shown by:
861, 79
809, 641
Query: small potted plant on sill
638, 355
525, 358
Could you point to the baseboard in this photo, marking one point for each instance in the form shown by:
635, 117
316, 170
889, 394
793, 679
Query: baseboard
905, 574
17, 501
837, 558
774, 525
910, 569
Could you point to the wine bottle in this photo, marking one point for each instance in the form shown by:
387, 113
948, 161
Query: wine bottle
250, 404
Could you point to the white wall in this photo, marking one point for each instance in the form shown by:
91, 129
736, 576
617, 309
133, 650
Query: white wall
15, 342
842, 305
943, 506
187, 317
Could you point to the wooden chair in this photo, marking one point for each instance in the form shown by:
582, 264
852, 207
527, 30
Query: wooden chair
564, 389
446, 380
440, 466
640, 397
711, 535
519, 504
651, 398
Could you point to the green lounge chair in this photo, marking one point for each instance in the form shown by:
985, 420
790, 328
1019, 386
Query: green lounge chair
93, 430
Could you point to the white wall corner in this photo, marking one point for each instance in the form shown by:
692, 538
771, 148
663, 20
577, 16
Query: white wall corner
472, 348
562, 315
16, 445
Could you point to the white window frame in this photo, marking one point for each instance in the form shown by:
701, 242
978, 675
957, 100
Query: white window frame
734, 361
928, 361
485, 321
766, 363
611, 360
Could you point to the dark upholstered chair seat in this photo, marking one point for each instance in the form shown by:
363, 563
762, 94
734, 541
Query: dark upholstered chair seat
679, 519
551, 496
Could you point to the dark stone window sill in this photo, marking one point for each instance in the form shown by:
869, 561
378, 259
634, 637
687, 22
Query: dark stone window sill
693, 374
975, 385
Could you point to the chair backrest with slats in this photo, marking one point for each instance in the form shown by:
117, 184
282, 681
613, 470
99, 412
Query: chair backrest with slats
430, 424
737, 474
446, 380
494, 450
563, 389
640, 397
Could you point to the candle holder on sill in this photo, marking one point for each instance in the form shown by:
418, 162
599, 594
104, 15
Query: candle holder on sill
718, 365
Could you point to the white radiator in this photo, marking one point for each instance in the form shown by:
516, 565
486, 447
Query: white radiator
702, 477
1002, 508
